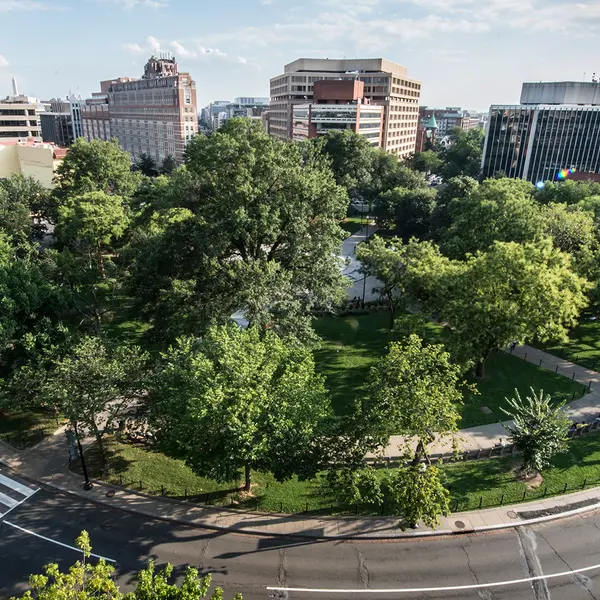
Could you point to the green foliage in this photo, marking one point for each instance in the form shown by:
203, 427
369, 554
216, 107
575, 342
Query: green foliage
540, 429
417, 493
354, 487
95, 166
567, 192
168, 165
257, 229
86, 581
498, 210
236, 399
94, 384
571, 228
425, 162
464, 155
413, 391
513, 292
407, 211
147, 165
20, 198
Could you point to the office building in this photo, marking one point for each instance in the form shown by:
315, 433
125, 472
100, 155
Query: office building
426, 134
57, 128
95, 118
155, 115
336, 106
556, 127
19, 118
251, 101
386, 84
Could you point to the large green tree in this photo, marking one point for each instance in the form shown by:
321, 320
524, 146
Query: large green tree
256, 229
23, 204
512, 292
95, 166
406, 211
464, 154
238, 400
425, 162
539, 429
498, 210
95, 384
91, 221
415, 391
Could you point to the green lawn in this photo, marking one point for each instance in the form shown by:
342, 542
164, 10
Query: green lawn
352, 345
27, 428
352, 224
490, 482
583, 347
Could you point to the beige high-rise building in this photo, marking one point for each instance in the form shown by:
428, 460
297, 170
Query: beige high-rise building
155, 115
19, 118
386, 83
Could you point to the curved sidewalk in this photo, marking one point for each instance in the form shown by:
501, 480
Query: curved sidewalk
486, 437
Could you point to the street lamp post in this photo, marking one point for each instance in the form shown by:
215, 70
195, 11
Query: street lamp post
88, 485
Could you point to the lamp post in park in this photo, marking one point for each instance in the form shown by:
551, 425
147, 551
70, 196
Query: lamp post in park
87, 485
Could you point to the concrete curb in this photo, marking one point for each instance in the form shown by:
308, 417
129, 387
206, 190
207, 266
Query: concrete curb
313, 536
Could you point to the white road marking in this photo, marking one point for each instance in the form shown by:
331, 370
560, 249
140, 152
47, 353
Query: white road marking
19, 503
451, 588
15, 485
42, 537
8, 501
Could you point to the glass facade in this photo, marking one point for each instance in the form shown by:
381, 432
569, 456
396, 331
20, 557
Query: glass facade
536, 142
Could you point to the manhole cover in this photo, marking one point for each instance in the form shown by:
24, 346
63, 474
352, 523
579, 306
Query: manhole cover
512, 514
110, 493
459, 525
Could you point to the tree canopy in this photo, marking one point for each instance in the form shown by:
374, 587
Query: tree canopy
464, 155
236, 400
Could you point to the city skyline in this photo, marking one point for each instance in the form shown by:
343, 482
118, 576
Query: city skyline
467, 53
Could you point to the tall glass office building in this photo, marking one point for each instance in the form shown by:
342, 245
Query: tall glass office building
536, 140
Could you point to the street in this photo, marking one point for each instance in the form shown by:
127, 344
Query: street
31, 531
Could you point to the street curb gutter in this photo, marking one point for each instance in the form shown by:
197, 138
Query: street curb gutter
313, 536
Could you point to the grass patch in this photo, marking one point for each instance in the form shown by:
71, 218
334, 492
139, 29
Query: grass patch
352, 345
486, 482
26, 428
123, 324
352, 224
583, 347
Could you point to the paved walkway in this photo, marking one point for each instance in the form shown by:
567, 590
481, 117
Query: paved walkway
485, 437
47, 463
352, 270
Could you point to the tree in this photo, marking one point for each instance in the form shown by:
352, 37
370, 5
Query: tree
413, 391
408, 212
539, 429
464, 155
351, 159
94, 384
23, 202
498, 210
168, 165
380, 259
567, 192
257, 230
96, 219
425, 162
456, 188
512, 292
147, 165
237, 399
571, 228
417, 493
95, 166
86, 581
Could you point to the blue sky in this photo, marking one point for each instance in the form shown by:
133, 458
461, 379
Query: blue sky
468, 53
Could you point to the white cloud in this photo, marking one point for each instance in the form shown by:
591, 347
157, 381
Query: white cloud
28, 5
153, 43
135, 48
3, 62
131, 4
182, 51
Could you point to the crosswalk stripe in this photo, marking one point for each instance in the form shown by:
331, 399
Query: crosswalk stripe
8, 501
15, 485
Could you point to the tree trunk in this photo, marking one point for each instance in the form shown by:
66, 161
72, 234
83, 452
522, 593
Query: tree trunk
100, 261
480, 368
392, 312
420, 454
248, 477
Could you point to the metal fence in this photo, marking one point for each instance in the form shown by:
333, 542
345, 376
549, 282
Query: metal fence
23, 439
570, 373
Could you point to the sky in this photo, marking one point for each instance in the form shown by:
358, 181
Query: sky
469, 53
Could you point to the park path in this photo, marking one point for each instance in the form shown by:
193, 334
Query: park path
352, 269
484, 437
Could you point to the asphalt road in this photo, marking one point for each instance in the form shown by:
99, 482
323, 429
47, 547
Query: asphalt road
250, 564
